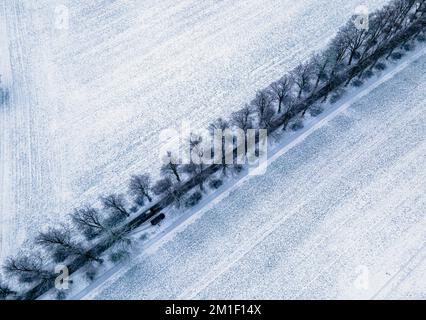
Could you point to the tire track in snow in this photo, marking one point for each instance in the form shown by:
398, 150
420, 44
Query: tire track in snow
267, 230
420, 113
418, 259
16, 122
112, 82
33, 160
345, 106
376, 226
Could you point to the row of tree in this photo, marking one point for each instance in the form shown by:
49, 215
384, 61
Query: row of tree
350, 57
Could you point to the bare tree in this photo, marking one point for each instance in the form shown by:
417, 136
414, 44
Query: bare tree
419, 23
385, 23
302, 75
5, 291
288, 111
218, 124
266, 121
166, 187
171, 168
401, 18
195, 168
280, 90
394, 14
59, 243
195, 171
89, 221
336, 53
140, 186
377, 24
197, 152
28, 269
242, 119
261, 104
163, 186
116, 204
354, 38
320, 63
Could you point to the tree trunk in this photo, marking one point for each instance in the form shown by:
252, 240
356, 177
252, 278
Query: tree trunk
300, 93
351, 57
177, 175
147, 196
317, 83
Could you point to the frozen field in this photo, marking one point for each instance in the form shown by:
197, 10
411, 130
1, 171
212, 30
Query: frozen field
341, 215
87, 103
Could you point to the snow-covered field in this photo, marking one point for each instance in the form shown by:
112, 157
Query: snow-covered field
87, 103
341, 215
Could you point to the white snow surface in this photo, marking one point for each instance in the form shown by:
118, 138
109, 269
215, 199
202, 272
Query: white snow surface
341, 215
87, 103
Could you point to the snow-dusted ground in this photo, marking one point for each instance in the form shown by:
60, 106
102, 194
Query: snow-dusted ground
341, 215
87, 103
